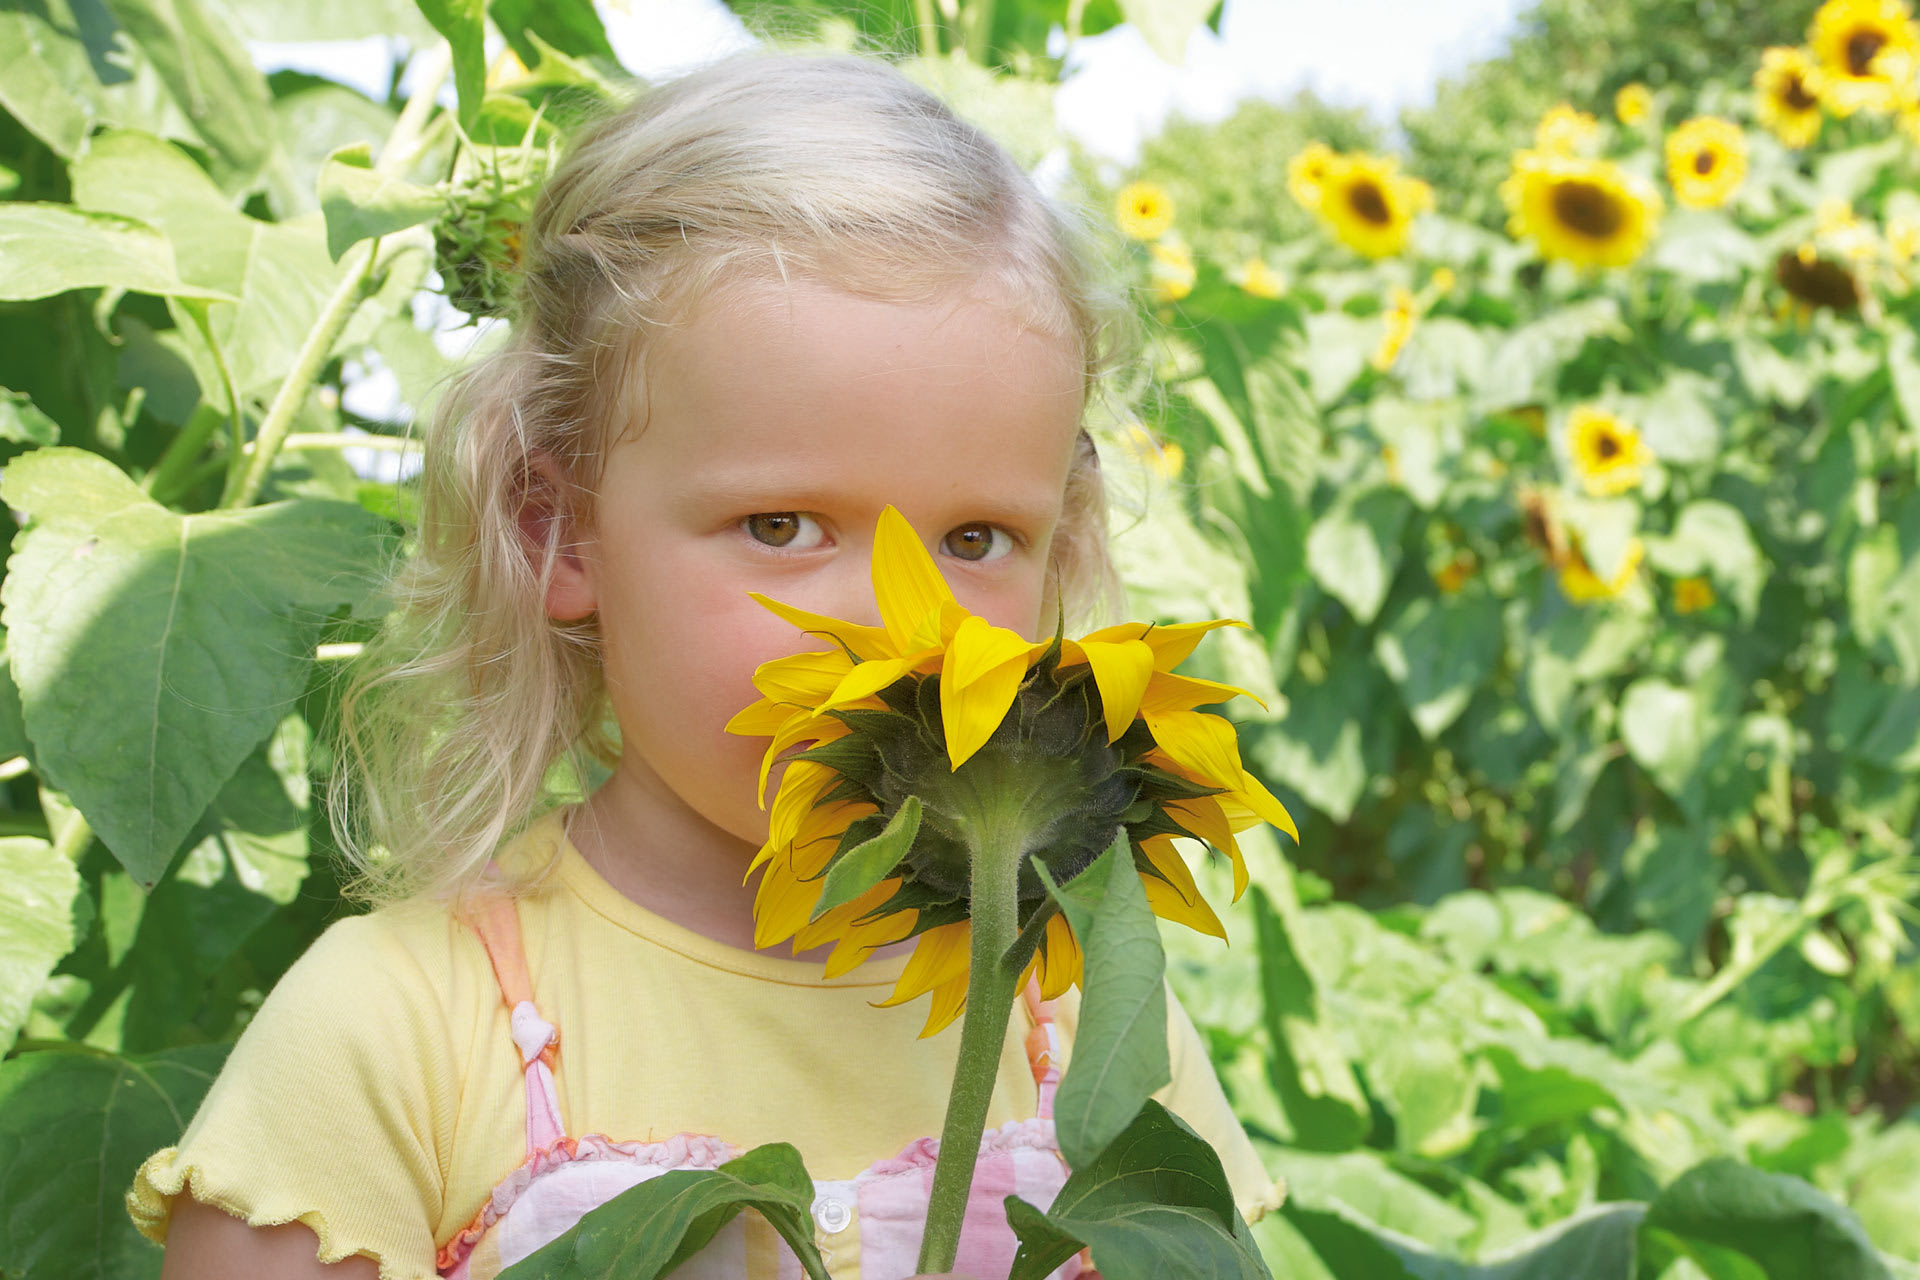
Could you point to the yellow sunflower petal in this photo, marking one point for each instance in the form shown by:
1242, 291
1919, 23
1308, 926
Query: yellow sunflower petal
1122, 671
984, 668
1177, 898
939, 955
906, 582
863, 642
799, 729
761, 720
1172, 642
1204, 818
781, 905
1169, 692
802, 679
1201, 742
1269, 810
865, 680
1061, 960
949, 1002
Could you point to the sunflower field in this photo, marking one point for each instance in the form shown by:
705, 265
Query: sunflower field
1563, 458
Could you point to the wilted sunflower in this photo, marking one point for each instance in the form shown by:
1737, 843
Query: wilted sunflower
1816, 282
1607, 452
1582, 585
1565, 132
1369, 205
1307, 171
1858, 43
1632, 104
1706, 161
936, 725
1591, 213
1787, 88
1144, 210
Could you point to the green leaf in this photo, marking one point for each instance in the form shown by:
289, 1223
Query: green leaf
570, 26
62, 77
1167, 24
153, 651
1680, 422
1711, 539
209, 73
463, 23
50, 248
648, 1230
1903, 368
74, 1125
1595, 1244
360, 203
1667, 733
1438, 650
1309, 1069
1120, 1051
1154, 1204
1786, 1226
866, 865
22, 421
36, 924
1353, 550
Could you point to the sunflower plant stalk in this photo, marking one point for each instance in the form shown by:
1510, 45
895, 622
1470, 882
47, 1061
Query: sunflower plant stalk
945, 779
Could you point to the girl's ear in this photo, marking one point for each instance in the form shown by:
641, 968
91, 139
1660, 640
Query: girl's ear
548, 517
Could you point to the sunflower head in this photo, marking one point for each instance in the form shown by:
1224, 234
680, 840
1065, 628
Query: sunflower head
1706, 161
1858, 43
1369, 205
1144, 210
1565, 132
1607, 452
923, 740
1582, 585
1816, 282
1787, 90
1591, 213
1632, 104
1307, 171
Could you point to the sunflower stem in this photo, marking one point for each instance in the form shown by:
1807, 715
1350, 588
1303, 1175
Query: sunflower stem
992, 980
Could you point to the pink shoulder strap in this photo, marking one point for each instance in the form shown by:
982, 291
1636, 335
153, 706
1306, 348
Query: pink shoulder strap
497, 921
1043, 1048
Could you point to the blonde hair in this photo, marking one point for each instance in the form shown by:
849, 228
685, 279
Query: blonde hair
473, 709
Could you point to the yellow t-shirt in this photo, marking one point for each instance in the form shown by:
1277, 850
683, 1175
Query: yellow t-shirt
377, 1096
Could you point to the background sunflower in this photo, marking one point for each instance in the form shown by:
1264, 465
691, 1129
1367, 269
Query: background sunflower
1591, 213
1787, 95
1368, 204
1706, 161
1858, 42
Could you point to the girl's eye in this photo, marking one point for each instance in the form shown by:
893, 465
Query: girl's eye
977, 542
786, 529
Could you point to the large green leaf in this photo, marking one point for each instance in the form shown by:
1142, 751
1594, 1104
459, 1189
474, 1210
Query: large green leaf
648, 1230
65, 70
361, 202
278, 274
74, 1125
464, 24
1437, 650
36, 924
1353, 551
22, 422
153, 650
1783, 1224
1120, 1051
569, 26
1155, 1204
1310, 1071
49, 248
209, 74
1597, 1244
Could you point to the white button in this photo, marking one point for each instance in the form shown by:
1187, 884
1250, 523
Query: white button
832, 1215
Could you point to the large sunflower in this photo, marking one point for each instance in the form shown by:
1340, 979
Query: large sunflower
1607, 452
1858, 44
1591, 213
912, 722
1706, 161
1369, 205
1788, 90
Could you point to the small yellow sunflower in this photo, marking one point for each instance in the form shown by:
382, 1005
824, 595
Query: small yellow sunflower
1633, 103
1402, 312
1691, 595
1608, 453
936, 723
1591, 213
1144, 210
1259, 279
1706, 161
1442, 281
1582, 585
1369, 205
1565, 132
1857, 42
1171, 270
1788, 89
1307, 171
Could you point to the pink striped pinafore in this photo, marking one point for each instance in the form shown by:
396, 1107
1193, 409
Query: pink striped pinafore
868, 1227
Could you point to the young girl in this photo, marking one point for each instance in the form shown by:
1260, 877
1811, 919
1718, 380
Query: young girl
760, 305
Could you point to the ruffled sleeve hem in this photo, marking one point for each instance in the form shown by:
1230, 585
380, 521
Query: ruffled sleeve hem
1269, 1202
163, 1176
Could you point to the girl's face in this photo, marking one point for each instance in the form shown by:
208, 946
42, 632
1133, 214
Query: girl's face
780, 419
